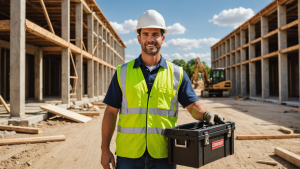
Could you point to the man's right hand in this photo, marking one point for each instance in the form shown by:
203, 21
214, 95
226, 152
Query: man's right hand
106, 158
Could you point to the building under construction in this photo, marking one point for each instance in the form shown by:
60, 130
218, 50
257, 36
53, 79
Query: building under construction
61, 50
261, 57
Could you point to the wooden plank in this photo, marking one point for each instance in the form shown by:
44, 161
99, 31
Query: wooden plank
288, 156
22, 129
66, 113
4, 104
32, 140
4, 25
267, 162
47, 16
256, 137
286, 130
95, 48
91, 113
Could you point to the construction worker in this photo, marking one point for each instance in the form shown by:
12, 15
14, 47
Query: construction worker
146, 91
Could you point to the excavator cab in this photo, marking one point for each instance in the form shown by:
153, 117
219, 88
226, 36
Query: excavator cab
217, 75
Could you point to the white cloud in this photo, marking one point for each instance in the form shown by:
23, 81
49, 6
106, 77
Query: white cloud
232, 17
132, 41
176, 29
124, 28
188, 44
188, 56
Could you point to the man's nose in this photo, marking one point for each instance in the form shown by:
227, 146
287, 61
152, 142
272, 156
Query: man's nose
150, 38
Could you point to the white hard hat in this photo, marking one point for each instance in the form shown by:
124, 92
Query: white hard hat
151, 19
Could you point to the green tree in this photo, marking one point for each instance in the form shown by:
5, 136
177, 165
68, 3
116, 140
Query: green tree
189, 67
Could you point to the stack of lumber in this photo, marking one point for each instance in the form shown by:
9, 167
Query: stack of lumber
66, 113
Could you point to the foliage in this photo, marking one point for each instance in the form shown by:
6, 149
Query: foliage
189, 67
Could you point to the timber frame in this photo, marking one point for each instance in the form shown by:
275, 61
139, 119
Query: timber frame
261, 57
61, 42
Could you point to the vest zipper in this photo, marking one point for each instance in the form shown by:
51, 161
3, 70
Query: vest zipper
147, 120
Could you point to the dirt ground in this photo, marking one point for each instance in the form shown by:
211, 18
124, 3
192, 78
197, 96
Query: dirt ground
82, 146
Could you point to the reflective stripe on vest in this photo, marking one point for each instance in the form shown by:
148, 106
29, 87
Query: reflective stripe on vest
138, 130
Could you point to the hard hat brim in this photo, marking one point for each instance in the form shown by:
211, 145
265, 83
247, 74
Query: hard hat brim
152, 26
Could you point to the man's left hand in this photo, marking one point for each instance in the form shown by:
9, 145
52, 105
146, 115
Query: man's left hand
213, 118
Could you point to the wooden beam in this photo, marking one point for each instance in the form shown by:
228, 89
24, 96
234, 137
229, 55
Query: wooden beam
267, 162
4, 104
22, 129
74, 67
256, 137
288, 156
51, 49
47, 16
32, 140
47, 35
286, 130
289, 49
95, 48
294, 23
4, 25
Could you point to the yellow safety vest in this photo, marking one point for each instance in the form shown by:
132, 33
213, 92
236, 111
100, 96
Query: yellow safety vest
144, 117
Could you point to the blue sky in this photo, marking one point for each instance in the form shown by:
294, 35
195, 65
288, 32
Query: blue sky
194, 25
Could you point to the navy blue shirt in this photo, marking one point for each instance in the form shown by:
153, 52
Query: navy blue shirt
186, 94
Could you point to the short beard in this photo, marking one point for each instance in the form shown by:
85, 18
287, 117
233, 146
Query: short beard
153, 52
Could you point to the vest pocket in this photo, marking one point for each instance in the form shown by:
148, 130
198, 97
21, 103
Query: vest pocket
165, 97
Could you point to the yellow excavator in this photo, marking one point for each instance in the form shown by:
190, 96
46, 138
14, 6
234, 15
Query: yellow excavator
216, 85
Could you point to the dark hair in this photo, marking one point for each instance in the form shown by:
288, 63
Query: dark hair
161, 31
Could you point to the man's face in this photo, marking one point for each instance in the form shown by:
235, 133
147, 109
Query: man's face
151, 40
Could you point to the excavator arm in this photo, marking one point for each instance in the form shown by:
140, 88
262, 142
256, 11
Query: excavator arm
203, 70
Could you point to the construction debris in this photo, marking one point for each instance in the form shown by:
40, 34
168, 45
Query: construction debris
7, 133
292, 110
288, 156
257, 137
238, 97
286, 130
32, 140
66, 113
267, 162
22, 129
75, 107
87, 105
94, 108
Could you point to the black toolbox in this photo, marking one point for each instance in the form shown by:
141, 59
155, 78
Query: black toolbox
197, 144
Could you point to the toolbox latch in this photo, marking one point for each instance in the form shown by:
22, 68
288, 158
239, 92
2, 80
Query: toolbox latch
229, 132
206, 139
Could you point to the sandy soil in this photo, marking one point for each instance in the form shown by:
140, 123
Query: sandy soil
82, 146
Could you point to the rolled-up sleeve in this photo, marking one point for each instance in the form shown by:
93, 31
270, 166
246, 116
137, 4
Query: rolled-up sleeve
186, 94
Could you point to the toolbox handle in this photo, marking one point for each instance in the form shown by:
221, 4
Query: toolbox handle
181, 146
